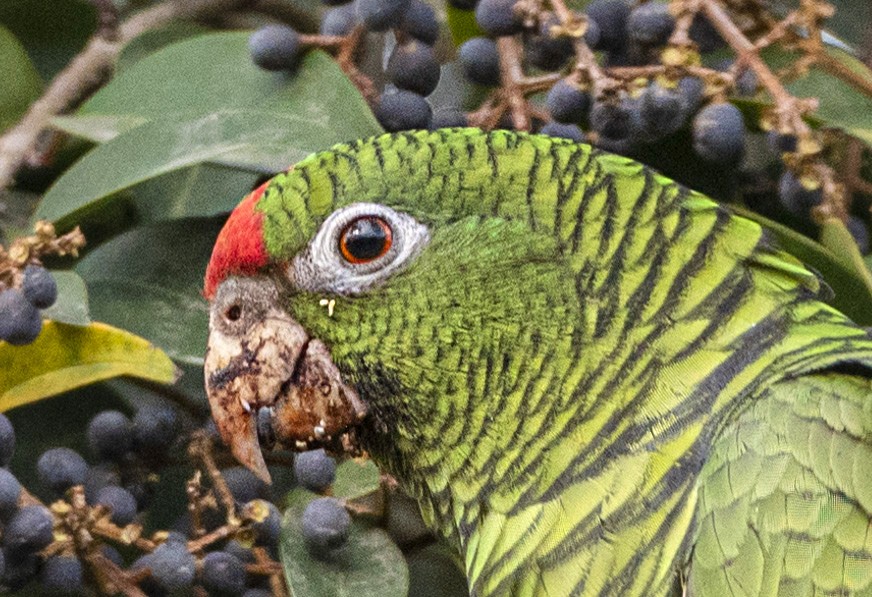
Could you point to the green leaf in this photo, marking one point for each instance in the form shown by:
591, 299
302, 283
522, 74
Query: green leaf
356, 479
853, 291
51, 32
462, 24
66, 356
368, 565
21, 83
214, 72
98, 129
148, 281
72, 303
836, 237
153, 40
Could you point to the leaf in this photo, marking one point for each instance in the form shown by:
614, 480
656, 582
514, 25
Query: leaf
72, 303
98, 129
368, 565
148, 281
21, 82
51, 32
836, 237
462, 24
853, 292
214, 72
356, 479
66, 356
153, 40
434, 571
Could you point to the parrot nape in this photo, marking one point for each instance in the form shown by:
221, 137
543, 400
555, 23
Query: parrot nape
593, 380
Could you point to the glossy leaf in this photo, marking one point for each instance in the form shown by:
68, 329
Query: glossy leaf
356, 479
72, 302
154, 40
853, 293
148, 281
66, 356
21, 82
368, 565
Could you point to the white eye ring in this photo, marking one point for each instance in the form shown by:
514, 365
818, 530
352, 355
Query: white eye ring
322, 268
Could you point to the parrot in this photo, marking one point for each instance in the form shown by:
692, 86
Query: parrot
592, 379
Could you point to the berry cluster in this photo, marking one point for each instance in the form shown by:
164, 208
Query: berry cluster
20, 321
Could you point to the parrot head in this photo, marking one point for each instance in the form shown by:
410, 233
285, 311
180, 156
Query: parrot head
357, 299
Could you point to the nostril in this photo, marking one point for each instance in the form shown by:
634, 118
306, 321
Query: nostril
233, 313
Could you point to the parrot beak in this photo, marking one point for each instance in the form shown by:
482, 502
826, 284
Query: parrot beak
267, 380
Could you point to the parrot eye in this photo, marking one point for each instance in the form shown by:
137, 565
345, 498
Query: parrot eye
365, 239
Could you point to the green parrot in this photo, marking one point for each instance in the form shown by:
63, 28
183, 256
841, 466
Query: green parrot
593, 380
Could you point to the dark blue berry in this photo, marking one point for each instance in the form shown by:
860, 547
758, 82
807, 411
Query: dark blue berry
420, 22
611, 19
20, 322
719, 133
480, 61
795, 198
691, 90
498, 17
661, 111
29, 530
172, 566
112, 554
336, 2
242, 553
267, 521
244, 485
100, 476
781, 143
380, 15
448, 118
257, 593
650, 24
7, 440
463, 4
565, 131
10, 490
223, 573
61, 468
109, 435
339, 21
546, 49
325, 525
403, 110
567, 103
275, 47
746, 83
413, 66
705, 35
120, 502
39, 286
19, 568
62, 573
315, 470
616, 120
154, 429
860, 232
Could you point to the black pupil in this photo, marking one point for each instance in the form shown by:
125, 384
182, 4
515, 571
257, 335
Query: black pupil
365, 239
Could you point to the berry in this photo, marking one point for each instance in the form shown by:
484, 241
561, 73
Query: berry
7, 440
547, 50
109, 435
325, 525
705, 35
413, 66
244, 486
567, 103
611, 19
223, 573
29, 530
10, 490
61, 468
691, 90
650, 24
257, 593
566, 131
463, 4
719, 133
267, 521
661, 111
420, 22
39, 286
795, 198
480, 61
20, 322
154, 429
112, 554
239, 551
62, 573
20, 569
380, 15
781, 143
275, 47
403, 110
314, 470
172, 566
339, 21
120, 501
497, 17
746, 83
448, 118
860, 232
98, 477
336, 2
618, 121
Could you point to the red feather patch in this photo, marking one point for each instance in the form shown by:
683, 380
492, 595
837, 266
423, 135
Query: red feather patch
239, 248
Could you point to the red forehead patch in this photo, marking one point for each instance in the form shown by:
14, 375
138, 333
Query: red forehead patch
239, 248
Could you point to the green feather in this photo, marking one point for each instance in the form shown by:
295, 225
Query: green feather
595, 381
